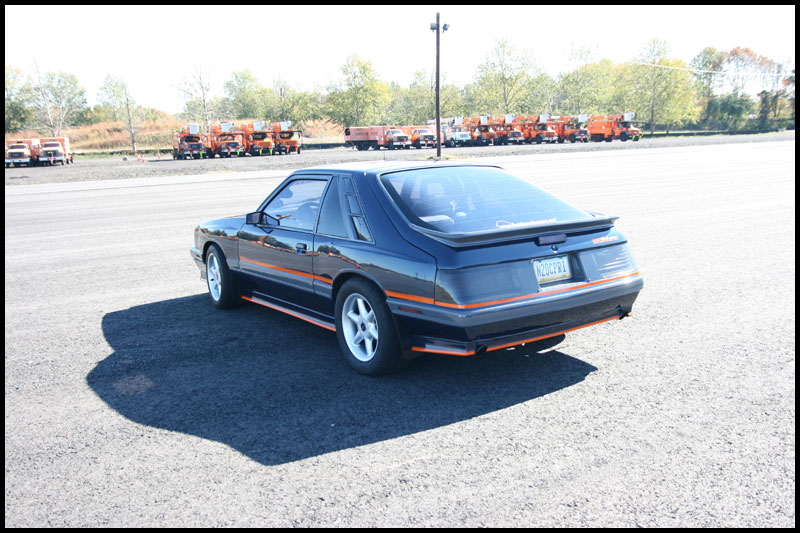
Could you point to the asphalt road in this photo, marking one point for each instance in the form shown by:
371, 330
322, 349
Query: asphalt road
92, 169
130, 401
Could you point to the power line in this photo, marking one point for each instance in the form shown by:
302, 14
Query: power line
677, 68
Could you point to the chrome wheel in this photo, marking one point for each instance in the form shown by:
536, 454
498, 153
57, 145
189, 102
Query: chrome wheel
213, 275
360, 327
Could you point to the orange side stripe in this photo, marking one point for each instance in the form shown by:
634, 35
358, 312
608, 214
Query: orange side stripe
413, 298
296, 315
287, 270
431, 301
549, 335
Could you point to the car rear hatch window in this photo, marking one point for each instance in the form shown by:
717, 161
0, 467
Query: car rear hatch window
469, 200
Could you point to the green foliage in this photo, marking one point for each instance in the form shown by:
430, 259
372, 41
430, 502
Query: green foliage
727, 112
18, 94
358, 99
504, 80
588, 89
707, 64
243, 93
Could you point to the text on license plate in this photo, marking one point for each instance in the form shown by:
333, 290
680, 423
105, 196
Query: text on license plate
552, 269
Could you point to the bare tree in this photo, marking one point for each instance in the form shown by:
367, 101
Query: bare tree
57, 100
115, 94
199, 103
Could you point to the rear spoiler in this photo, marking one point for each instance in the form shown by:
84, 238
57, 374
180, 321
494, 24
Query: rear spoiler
463, 240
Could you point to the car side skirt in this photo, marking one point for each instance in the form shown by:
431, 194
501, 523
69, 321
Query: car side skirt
289, 309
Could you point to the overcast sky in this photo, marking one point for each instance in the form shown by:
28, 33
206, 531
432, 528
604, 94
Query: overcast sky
155, 48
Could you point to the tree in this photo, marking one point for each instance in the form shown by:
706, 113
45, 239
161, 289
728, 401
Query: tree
544, 95
589, 88
503, 79
662, 88
199, 104
115, 95
57, 100
243, 92
728, 112
422, 98
707, 64
18, 112
741, 66
359, 98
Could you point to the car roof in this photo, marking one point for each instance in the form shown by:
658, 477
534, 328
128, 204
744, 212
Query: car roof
382, 167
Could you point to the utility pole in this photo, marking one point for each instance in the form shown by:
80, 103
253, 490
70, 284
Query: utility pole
438, 29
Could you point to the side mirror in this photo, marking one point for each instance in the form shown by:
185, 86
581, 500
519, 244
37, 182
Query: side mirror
261, 219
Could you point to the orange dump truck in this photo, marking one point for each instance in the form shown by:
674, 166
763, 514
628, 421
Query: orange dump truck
508, 131
420, 136
535, 129
23, 152
287, 140
187, 143
481, 131
569, 128
258, 138
609, 127
55, 150
224, 140
366, 137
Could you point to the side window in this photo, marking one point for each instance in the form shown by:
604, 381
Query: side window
296, 206
355, 214
331, 216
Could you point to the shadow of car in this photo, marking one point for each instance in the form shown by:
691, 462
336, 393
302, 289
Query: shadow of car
277, 391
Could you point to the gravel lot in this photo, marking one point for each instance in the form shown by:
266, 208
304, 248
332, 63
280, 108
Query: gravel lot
131, 402
116, 168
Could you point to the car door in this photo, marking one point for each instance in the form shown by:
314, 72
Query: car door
276, 258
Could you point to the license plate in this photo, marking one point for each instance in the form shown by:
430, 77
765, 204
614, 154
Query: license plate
552, 269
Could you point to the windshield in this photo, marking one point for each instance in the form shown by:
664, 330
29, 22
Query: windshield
424, 132
474, 199
52, 145
17, 147
396, 132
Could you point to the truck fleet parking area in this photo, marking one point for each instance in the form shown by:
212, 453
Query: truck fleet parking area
131, 401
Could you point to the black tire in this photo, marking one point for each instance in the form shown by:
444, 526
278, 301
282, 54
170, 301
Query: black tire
222, 288
371, 323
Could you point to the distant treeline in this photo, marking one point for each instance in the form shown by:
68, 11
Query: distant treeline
718, 90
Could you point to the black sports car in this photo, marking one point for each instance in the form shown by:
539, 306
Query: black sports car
401, 259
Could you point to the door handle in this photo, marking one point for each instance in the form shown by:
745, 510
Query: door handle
301, 247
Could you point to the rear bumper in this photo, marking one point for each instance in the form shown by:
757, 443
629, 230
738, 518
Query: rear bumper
434, 329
